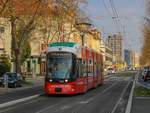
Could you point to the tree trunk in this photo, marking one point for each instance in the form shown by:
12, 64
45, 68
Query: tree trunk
18, 61
14, 46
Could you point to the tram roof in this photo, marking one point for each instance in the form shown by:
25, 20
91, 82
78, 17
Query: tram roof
65, 44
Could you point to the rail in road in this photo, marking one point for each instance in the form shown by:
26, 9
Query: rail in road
103, 99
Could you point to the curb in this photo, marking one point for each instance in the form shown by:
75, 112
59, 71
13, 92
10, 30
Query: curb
107, 76
129, 104
7, 104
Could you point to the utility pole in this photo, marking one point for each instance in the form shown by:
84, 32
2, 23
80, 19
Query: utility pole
83, 28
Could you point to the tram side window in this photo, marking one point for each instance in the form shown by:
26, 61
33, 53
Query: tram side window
84, 68
98, 68
95, 70
90, 68
80, 70
101, 68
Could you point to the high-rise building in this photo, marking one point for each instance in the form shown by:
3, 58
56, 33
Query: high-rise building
128, 58
131, 58
115, 42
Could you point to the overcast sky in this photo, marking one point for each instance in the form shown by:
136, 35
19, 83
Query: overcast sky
131, 13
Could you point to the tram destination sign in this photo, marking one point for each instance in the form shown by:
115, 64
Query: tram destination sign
59, 54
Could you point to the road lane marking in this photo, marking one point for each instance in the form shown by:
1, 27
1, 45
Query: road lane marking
129, 104
68, 106
121, 96
35, 96
32, 97
94, 97
49, 107
7, 104
83, 102
142, 97
13, 107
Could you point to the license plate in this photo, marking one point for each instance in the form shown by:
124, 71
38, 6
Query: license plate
58, 89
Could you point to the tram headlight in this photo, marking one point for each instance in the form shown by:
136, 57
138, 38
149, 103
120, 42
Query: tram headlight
51, 80
66, 80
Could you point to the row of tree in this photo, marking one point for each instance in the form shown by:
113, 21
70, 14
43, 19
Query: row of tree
30, 16
145, 55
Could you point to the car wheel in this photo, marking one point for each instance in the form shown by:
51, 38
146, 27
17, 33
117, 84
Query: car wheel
3, 85
145, 79
15, 85
19, 85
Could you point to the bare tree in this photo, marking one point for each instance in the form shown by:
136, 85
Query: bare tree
22, 15
145, 56
25, 16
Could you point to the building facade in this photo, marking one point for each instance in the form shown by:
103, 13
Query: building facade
5, 37
115, 42
107, 55
37, 61
131, 59
35, 65
128, 58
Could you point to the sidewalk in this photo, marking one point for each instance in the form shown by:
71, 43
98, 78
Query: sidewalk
30, 82
141, 105
141, 102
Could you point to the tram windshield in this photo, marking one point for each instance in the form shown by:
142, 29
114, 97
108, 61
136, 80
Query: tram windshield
61, 66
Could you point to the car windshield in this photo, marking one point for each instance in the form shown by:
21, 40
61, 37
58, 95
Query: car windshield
12, 75
148, 73
110, 69
60, 65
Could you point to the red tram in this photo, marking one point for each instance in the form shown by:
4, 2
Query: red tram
72, 69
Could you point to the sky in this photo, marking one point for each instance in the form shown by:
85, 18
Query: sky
131, 14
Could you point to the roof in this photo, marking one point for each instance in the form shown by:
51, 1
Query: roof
65, 44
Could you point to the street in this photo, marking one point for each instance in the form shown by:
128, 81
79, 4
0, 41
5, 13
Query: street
20, 94
103, 99
74, 56
140, 105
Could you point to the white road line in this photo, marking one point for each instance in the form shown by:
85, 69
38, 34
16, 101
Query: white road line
92, 98
7, 104
45, 109
68, 106
142, 98
113, 111
129, 104
13, 107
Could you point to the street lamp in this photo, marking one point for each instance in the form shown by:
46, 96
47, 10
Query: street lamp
83, 27
2, 30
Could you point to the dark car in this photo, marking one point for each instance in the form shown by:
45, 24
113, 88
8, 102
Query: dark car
14, 80
146, 75
1, 80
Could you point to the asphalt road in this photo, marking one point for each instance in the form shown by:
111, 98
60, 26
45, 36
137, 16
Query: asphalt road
20, 94
141, 105
103, 99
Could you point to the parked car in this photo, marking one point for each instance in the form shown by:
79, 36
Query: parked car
1, 80
110, 71
146, 76
14, 79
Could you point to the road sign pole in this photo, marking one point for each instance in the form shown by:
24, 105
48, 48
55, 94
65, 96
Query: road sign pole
6, 81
